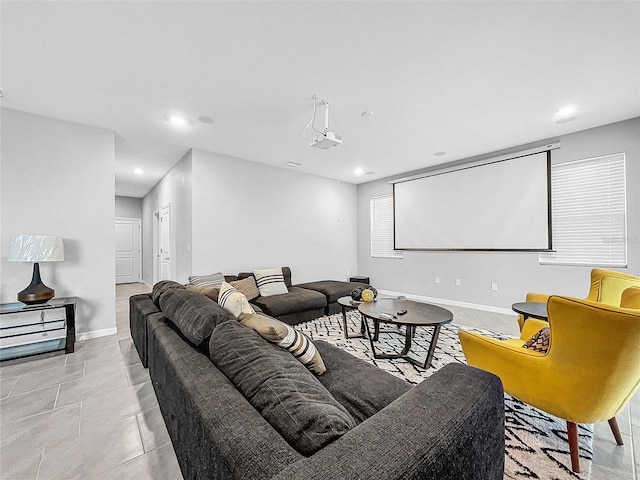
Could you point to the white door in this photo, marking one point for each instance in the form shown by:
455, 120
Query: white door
128, 236
156, 246
165, 243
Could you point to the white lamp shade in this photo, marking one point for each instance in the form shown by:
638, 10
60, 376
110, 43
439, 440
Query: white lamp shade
36, 248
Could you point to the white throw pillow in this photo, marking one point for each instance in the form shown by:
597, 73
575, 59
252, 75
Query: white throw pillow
233, 301
270, 282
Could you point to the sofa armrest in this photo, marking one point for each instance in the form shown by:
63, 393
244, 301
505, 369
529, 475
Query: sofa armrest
140, 307
450, 426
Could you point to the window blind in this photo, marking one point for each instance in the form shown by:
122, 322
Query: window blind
382, 227
589, 212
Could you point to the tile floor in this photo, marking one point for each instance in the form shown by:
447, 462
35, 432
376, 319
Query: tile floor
88, 415
93, 414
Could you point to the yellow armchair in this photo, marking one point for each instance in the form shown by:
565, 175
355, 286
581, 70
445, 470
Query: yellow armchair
588, 375
606, 287
630, 298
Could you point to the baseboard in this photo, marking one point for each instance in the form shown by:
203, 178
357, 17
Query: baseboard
97, 333
455, 303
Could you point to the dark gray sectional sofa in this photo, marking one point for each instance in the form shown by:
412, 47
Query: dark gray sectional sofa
450, 426
305, 301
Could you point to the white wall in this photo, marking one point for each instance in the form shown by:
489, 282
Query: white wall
58, 179
174, 189
248, 215
128, 207
515, 273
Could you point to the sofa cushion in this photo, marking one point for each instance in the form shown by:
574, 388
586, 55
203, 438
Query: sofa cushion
212, 292
247, 286
211, 280
292, 340
161, 287
290, 398
233, 301
297, 300
363, 389
270, 282
332, 289
193, 314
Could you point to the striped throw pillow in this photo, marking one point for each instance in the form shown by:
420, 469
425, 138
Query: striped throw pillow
233, 301
212, 280
297, 343
270, 282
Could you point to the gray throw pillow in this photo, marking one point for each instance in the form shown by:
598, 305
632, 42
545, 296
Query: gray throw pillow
285, 393
194, 314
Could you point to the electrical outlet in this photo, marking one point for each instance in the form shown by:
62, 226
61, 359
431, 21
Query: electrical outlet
436, 279
494, 287
458, 282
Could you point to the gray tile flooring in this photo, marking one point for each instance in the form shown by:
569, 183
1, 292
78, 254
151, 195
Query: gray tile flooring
88, 415
93, 414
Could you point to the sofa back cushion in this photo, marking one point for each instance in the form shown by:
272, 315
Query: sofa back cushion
285, 393
194, 314
161, 287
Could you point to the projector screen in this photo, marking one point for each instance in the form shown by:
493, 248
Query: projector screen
499, 205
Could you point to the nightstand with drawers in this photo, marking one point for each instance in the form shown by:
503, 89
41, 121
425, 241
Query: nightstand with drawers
32, 329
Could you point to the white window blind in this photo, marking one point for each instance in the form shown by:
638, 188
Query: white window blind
588, 211
382, 227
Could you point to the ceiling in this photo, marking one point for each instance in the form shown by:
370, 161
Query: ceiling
465, 78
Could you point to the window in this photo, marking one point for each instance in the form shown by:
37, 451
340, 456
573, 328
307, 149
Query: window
588, 210
382, 227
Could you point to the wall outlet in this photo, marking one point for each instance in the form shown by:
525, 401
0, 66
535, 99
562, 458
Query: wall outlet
458, 282
436, 279
348, 274
494, 287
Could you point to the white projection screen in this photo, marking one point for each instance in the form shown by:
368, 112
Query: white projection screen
502, 205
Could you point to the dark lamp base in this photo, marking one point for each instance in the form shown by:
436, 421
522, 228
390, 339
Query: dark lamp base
37, 292
33, 296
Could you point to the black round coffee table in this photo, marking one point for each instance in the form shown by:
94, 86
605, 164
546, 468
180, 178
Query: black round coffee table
386, 310
349, 303
531, 309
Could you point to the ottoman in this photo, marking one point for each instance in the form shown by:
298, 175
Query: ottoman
332, 290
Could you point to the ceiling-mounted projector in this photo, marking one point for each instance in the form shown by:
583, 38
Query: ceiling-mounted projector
325, 139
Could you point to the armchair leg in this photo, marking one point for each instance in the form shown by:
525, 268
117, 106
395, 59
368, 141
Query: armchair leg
572, 430
613, 423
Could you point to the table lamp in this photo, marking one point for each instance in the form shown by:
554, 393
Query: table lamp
36, 248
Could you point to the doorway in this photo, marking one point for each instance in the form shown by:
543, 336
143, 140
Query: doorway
128, 240
162, 244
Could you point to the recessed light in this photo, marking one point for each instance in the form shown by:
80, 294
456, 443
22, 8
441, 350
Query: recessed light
367, 114
205, 119
439, 154
138, 171
177, 120
358, 171
566, 114
294, 164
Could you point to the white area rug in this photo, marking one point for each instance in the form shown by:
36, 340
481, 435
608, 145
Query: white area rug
536, 442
